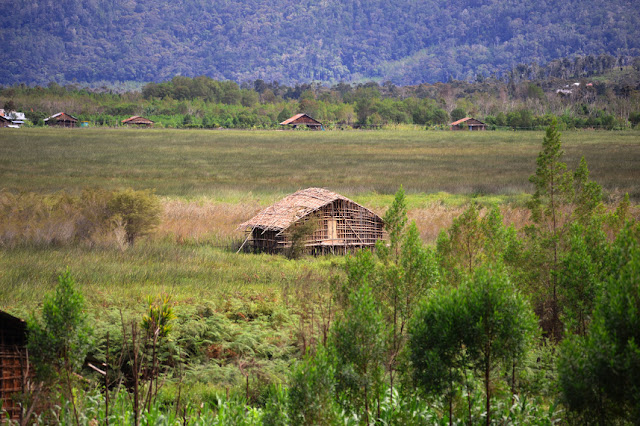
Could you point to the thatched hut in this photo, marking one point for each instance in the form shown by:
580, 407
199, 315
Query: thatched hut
468, 123
138, 121
302, 120
14, 370
61, 119
338, 225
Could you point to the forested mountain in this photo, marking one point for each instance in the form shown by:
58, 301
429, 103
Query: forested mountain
405, 41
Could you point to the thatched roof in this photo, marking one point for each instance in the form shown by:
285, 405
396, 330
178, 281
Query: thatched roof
290, 209
464, 120
62, 116
136, 119
301, 119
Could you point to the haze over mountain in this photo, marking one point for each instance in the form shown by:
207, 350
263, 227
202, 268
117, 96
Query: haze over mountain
405, 41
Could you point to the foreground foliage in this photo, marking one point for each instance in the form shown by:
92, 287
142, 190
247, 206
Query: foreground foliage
599, 371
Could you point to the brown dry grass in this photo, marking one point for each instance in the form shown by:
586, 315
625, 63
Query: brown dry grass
200, 221
53, 220
215, 222
436, 217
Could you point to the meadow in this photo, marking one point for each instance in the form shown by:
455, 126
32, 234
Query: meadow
210, 181
263, 165
247, 315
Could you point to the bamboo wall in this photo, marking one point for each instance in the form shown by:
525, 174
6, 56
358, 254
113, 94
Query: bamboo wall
341, 226
13, 370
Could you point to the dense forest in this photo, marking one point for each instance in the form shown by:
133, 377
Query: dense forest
406, 42
586, 92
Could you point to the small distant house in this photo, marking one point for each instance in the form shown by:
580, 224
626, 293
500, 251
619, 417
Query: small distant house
468, 123
303, 120
339, 224
14, 370
4, 122
61, 119
13, 115
16, 119
137, 121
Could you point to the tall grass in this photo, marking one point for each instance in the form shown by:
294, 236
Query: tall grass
233, 165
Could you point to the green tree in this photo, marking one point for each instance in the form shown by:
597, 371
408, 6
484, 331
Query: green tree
409, 269
399, 288
500, 324
358, 340
311, 390
578, 281
599, 373
299, 234
59, 341
458, 114
439, 116
436, 345
138, 211
459, 247
284, 114
553, 191
485, 323
587, 194
395, 220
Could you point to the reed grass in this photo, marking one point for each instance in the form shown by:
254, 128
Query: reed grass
188, 273
252, 166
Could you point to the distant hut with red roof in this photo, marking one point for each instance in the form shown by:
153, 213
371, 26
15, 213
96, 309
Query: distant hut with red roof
303, 120
468, 123
61, 119
137, 121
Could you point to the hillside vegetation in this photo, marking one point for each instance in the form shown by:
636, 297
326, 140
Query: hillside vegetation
407, 42
586, 92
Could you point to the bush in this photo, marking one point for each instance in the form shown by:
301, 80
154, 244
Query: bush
137, 211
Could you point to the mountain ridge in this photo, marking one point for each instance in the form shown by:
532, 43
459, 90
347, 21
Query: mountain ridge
405, 41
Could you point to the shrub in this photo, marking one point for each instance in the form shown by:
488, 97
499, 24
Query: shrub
139, 212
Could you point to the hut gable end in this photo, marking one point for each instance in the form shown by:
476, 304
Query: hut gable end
468, 123
341, 224
137, 121
61, 119
302, 120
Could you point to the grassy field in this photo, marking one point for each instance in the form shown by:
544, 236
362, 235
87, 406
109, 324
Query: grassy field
237, 166
213, 180
257, 310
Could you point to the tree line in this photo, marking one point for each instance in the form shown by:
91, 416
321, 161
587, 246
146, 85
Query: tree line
609, 101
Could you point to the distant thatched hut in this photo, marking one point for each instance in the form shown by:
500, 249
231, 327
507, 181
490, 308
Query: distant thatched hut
61, 119
340, 225
468, 123
302, 120
14, 371
138, 121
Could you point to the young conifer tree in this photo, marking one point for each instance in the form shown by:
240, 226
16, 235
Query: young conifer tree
358, 340
59, 342
553, 191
